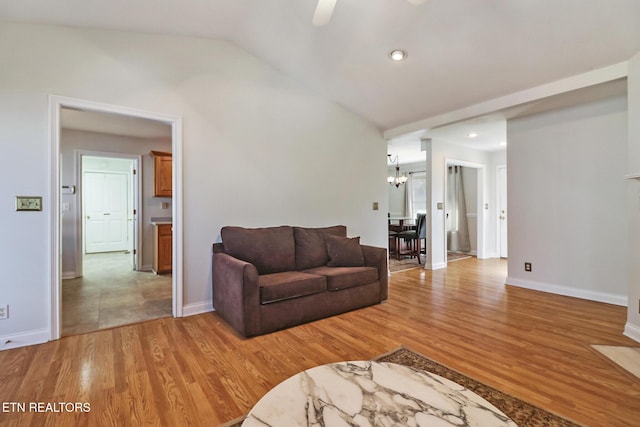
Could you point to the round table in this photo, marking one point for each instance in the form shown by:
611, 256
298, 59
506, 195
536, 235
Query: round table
365, 393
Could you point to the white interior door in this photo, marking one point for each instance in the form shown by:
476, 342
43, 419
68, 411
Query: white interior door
502, 210
105, 214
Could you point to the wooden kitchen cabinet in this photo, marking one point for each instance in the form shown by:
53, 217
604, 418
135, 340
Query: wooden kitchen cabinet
162, 254
162, 167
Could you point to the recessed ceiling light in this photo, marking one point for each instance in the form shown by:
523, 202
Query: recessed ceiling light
472, 135
503, 143
398, 55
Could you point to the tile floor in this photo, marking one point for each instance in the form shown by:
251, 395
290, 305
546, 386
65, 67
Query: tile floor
111, 294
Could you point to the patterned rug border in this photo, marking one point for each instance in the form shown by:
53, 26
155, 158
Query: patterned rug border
458, 258
237, 422
402, 270
524, 414
528, 415
398, 266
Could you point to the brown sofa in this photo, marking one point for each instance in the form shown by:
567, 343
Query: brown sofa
266, 279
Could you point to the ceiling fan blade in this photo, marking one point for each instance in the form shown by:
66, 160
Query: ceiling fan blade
416, 2
323, 12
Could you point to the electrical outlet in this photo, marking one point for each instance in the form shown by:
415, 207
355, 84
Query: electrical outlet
527, 266
4, 311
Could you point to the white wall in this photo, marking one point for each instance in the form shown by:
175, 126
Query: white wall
568, 202
632, 328
259, 149
72, 140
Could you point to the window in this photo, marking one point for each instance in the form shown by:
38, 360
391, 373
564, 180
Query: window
418, 193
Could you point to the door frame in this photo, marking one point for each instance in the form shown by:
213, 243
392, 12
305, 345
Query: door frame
136, 186
499, 190
56, 103
480, 168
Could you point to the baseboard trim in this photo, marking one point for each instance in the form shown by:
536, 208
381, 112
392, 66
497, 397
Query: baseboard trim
436, 266
632, 331
24, 339
621, 300
69, 275
197, 308
146, 267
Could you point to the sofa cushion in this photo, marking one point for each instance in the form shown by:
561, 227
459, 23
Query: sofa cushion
270, 250
311, 248
344, 252
345, 277
289, 284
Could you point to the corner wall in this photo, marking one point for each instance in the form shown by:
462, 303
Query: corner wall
567, 201
632, 328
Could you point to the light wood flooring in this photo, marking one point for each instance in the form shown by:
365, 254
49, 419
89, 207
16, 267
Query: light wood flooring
111, 294
196, 371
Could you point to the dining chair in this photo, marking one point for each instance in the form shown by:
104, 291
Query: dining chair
414, 238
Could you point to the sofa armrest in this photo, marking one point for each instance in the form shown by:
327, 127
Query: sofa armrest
377, 257
236, 293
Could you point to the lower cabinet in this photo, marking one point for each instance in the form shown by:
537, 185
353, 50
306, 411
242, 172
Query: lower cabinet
162, 255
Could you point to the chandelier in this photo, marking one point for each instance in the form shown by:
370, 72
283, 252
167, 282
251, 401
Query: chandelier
398, 179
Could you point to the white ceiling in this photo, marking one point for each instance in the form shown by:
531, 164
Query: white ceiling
461, 52
491, 129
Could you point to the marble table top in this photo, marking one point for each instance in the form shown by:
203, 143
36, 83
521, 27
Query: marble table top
364, 393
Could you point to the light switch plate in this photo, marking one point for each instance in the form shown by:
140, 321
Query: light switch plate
28, 203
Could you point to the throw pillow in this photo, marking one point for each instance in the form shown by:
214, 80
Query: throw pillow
344, 251
311, 249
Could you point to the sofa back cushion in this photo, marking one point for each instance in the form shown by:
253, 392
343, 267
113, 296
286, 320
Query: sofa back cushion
270, 250
311, 247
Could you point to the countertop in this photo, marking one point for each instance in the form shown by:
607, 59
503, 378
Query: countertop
159, 220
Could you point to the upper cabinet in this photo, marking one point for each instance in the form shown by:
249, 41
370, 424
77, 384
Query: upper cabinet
162, 174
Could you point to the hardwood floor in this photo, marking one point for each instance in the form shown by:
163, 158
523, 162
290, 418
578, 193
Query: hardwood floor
111, 294
197, 371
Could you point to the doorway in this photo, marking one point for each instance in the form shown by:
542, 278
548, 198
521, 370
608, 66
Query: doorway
56, 106
108, 291
109, 203
464, 210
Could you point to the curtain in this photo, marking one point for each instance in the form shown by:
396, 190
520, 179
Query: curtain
456, 214
408, 198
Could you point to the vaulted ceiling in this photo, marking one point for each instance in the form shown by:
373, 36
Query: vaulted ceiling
460, 52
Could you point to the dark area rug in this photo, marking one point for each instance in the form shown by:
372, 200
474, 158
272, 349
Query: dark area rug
521, 412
